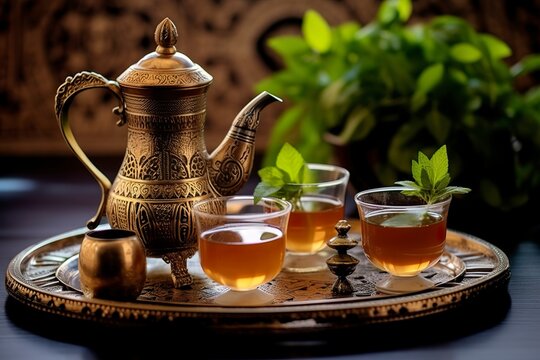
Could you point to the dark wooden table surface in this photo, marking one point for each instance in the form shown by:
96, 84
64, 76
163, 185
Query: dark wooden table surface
40, 198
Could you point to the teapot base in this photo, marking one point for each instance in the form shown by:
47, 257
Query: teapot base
179, 271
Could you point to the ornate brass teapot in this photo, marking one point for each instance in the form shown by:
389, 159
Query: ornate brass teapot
166, 167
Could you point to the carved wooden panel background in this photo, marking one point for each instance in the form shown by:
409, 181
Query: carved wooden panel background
42, 42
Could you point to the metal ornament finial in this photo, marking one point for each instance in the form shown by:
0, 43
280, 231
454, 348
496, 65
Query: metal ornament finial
342, 264
166, 36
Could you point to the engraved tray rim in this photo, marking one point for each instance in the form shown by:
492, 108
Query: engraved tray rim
333, 313
67, 275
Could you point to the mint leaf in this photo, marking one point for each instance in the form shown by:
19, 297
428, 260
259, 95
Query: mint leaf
443, 183
423, 160
439, 162
408, 184
417, 172
431, 178
291, 162
290, 168
263, 190
272, 176
405, 219
427, 175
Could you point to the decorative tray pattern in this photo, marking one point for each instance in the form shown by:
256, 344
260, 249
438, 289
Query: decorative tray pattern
45, 277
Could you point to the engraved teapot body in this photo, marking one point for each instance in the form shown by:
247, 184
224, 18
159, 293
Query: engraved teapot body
166, 167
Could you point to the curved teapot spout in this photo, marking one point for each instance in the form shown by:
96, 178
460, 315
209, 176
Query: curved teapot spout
232, 160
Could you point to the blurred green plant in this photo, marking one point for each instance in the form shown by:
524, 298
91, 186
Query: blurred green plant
396, 88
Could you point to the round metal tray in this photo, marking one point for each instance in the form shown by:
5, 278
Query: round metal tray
45, 277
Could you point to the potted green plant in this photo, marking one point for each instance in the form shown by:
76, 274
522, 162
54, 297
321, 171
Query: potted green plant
371, 97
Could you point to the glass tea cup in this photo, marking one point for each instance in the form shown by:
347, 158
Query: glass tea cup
316, 211
401, 235
242, 245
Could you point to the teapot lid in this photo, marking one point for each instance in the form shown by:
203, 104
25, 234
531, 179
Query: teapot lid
165, 67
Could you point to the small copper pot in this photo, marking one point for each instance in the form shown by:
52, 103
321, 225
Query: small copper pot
112, 264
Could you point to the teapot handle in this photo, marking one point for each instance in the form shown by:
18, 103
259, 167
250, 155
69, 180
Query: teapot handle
64, 97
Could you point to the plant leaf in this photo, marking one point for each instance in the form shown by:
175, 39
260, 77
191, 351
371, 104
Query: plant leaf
404, 8
316, 31
391, 10
387, 12
439, 164
404, 219
416, 171
415, 192
358, 126
426, 176
458, 76
429, 78
527, 65
290, 161
418, 100
438, 125
457, 190
409, 184
431, 178
348, 30
497, 48
443, 183
276, 180
423, 160
287, 45
272, 176
465, 53
262, 190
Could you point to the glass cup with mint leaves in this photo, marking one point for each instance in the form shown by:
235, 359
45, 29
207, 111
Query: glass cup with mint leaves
404, 227
317, 193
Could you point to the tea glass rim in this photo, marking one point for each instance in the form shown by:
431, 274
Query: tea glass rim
286, 208
344, 175
393, 189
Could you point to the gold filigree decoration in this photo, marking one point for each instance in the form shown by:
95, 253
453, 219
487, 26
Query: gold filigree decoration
187, 78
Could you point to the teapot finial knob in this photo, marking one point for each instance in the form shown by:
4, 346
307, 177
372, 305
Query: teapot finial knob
166, 36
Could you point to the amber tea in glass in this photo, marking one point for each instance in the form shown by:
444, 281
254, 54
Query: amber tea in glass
407, 249
242, 256
402, 236
311, 226
314, 216
242, 245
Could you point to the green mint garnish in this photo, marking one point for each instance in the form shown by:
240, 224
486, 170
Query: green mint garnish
431, 178
290, 168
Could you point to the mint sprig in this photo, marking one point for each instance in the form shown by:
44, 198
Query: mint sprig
290, 168
431, 178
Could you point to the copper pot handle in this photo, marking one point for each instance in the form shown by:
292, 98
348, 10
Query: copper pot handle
64, 97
